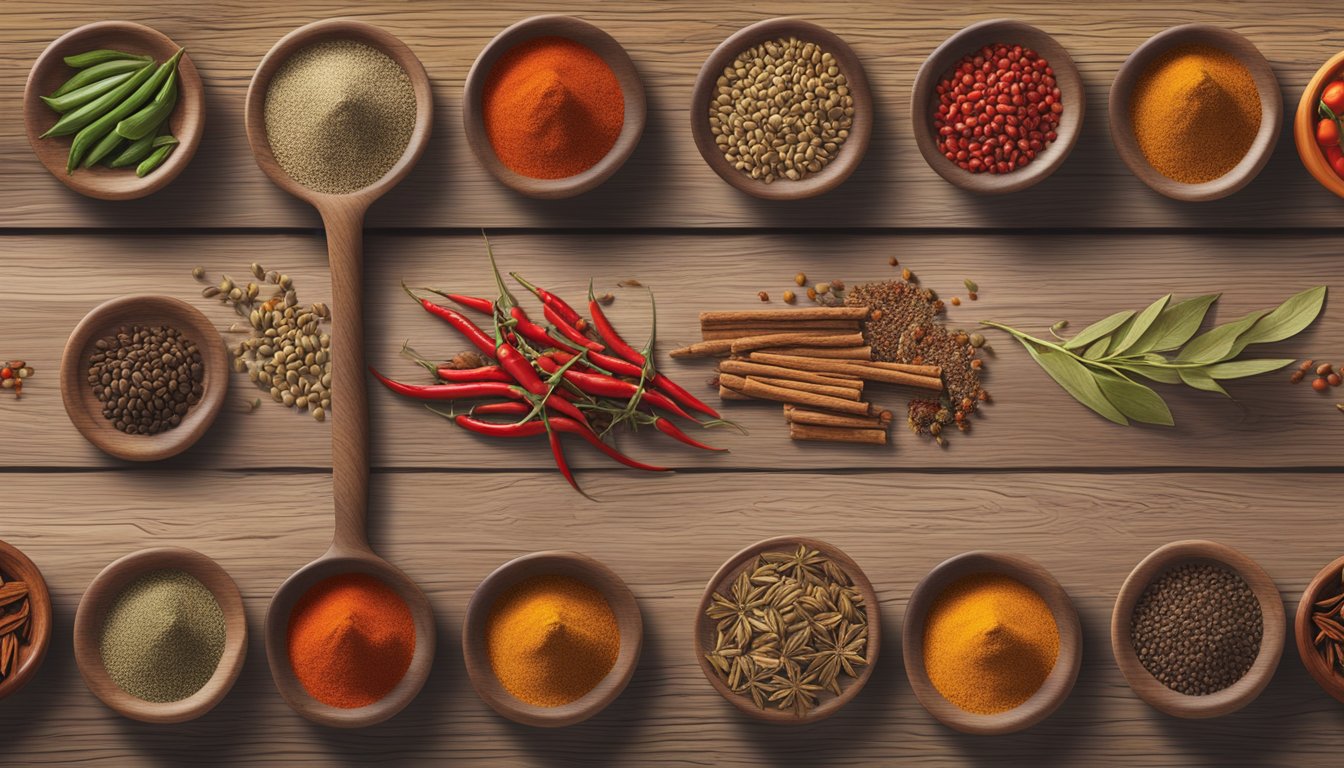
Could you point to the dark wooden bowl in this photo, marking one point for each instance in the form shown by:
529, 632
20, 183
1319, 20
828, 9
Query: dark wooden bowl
850, 153
1304, 127
83, 408
1271, 111
1058, 684
101, 595
924, 104
604, 45
1235, 696
1326, 583
16, 565
187, 121
723, 580
552, 563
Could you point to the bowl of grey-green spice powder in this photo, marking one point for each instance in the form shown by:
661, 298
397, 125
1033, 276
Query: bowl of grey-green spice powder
160, 635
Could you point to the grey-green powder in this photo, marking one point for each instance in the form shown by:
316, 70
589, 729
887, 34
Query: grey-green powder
163, 636
339, 115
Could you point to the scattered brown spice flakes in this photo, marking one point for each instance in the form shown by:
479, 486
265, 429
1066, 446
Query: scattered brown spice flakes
763, 296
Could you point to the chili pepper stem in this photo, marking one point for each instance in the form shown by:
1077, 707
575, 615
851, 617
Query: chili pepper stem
408, 351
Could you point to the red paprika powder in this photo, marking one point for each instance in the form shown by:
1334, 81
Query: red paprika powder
351, 639
553, 108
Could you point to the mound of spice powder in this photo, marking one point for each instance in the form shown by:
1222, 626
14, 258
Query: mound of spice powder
351, 640
551, 639
552, 108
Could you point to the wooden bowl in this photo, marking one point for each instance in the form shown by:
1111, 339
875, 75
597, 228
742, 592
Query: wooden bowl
16, 565
924, 104
1058, 684
850, 153
1271, 111
604, 45
187, 121
723, 581
1235, 696
552, 563
1304, 126
86, 412
1326, 584
103, 592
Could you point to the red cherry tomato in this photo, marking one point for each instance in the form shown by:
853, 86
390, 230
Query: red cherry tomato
1334, 96
1333, 152
1338, 165
1327, 133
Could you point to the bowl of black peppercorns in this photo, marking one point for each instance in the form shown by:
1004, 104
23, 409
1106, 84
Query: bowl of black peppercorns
143, 377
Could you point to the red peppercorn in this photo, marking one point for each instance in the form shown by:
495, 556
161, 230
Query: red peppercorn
1319, 384
1333, 379
6, 373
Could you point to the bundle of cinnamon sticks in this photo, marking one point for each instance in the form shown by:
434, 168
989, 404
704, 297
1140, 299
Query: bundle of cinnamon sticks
814, 361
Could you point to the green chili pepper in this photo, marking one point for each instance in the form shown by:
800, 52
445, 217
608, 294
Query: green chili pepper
102, 149
140, 124
165, 141
71, 122
100, 56
94, 132
81, 96
154, 161
136, 151
98, 72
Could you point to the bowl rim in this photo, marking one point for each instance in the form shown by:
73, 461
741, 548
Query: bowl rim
586, 569
600, 42
39, 600
124, 310
703, 628
1067, 78
1262, 146
849, 156
1235, 696
1330, 681
1058, 685
190, 111
104, 590
1304, 127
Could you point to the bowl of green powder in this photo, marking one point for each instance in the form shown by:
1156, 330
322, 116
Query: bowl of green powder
160, 635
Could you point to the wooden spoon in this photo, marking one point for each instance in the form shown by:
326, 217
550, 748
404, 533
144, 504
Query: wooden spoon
343, 216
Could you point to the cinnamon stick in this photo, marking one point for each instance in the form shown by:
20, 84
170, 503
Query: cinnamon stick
844, 366
796, 340
744, 317
852, 354
728, 394
918, 370
838, 434
748, 368
844, 393
762, 391
715, 348
714, 333
795, 415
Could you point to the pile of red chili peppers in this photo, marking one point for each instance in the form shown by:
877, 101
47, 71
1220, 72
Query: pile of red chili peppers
573, 376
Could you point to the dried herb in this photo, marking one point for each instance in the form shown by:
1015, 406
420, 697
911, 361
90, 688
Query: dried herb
1098, 365
1326, 616
16, 626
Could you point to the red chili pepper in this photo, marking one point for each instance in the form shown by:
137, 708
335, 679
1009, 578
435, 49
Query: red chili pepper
668, 428
484, 306
559, 453
567, 330
551, 301
454, 391
539, 335
676, 392
484, 373
606, 386
530, 428
620, 347
606, 362
459, 321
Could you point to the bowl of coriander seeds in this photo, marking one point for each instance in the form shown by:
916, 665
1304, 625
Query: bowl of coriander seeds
782, 110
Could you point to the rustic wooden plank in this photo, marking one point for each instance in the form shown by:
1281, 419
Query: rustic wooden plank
666, 183
1027, 281
448, 530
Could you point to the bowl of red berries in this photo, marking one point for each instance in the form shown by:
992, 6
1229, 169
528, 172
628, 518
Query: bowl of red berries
1317, 126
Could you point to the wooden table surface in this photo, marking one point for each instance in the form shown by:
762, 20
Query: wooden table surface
1039, 475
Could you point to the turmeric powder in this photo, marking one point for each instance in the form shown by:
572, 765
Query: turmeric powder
989, 643
551, 639
1195, 112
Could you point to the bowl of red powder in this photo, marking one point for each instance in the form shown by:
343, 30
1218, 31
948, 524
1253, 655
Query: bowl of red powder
553, 106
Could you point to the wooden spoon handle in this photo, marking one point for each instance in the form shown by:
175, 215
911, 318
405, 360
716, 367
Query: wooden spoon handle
350, 426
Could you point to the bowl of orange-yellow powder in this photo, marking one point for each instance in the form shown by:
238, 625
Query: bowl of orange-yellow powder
991, 642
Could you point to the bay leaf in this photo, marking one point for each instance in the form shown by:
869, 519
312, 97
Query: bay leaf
1098, 349
1153, 372
1098, 329
1076, 379
1135, 400
1238, 369
1286, 320
1215, 345
1177, 323
1139, 326
1199, 379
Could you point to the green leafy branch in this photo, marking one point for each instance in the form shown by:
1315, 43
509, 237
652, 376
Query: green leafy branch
1100, 364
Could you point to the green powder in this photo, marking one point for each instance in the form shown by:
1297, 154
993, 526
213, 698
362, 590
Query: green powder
339, 115
163, 636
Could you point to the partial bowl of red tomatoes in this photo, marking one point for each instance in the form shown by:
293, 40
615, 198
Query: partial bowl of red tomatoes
1318, 127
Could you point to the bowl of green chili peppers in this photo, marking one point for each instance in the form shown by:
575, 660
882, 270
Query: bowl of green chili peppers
114, 109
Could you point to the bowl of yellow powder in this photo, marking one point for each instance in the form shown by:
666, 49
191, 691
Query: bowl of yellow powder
991, 642
551, 638
1195, 112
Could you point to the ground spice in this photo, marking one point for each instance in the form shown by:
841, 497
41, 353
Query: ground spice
990, 642
1195, 112
552, 108
551, 639
163, 636
339, 115
351, 639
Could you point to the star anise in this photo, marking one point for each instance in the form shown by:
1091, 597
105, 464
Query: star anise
795, 690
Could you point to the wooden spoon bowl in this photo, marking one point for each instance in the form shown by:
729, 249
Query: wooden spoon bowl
1304, 126
86, 412
924, 104
551, 563
1058, 684
1235, 696
102, 594
850, 154
186, 123
1271, 111
601, 43
16, 566
1326, 584
722, 581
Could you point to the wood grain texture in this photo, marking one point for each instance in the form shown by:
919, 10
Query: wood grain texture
1088, 530
666, 183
